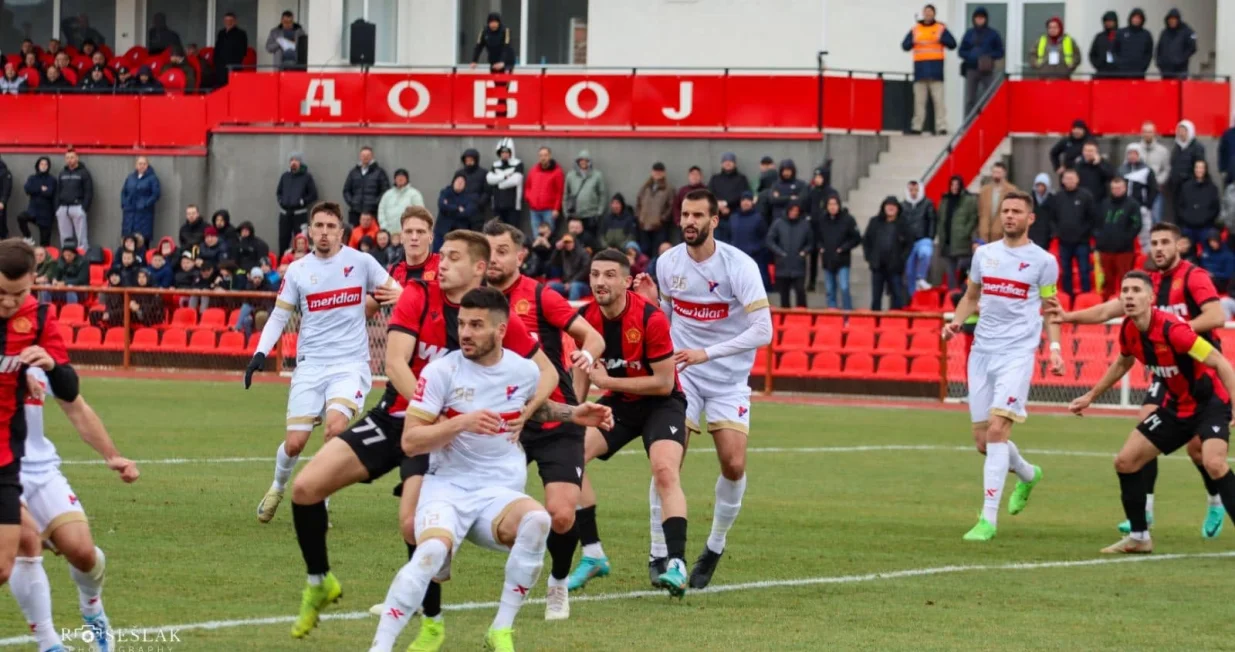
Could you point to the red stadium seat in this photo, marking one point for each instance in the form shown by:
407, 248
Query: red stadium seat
1092, 346
107, 51
798, 321
136, 53
827, 339
894, 341
98, 276
202, 341
71, 75
174, 339
1065, 299
893, 366
859, 364
233, 318
71, 51
250, 57
794, 338
1086, 300
206, 54
31, 75
89, 338
145, 339
215, 318
925, 301
792, 363
288, 346
232, 342
1091, 372
109, 257
924, 342
52, 252
860, 323
81, 64
114, 339
184, 317
73, 314
66, 332
14, 59
860, 340
761, 361
173, 80
894, 324
924, 367
832, 322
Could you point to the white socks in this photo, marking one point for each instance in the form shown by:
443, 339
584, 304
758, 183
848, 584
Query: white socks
1214, 501
593, 550
728, 504
658, 550
284, 464
33, 592
407, 592
90, 585
995, 472
523, 566
1022, 469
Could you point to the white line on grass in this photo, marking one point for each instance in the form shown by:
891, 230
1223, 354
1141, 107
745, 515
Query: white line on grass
723, 588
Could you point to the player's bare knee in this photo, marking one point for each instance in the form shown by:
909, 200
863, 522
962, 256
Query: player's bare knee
562, 518
1126, 464
79, 554
733, 467
30, 545
1216, 466
305, 490
294, 442
407, 527
336, 423
665, 473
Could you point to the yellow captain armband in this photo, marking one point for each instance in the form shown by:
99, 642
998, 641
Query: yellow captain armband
1200, 349
1048, 291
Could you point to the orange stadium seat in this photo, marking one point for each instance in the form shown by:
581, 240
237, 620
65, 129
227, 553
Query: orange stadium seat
833, 322
202, 341
761, 361
174, 340
114, 339
89, 338
145, 339
66, 332
73, 314
233, 318
894, 324
52, 252
925, 301
98, 274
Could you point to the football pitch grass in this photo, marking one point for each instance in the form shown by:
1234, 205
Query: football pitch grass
849, 538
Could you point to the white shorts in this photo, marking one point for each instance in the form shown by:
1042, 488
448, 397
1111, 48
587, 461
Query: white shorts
320, 387
727, 408
51, 501
447, 510
999, 385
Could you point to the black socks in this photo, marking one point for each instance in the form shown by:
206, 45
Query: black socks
311, 522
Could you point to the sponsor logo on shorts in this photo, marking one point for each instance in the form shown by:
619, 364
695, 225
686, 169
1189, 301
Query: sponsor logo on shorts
990, 493
341, 298
1011, 400
702, 311
72, 499
1163, 372
673, 430
1006, 288
742, 410
359, 395
395, 613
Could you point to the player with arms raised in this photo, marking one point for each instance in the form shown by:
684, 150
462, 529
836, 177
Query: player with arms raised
1197, 384
477, 471
1186, 291
332, 359
1008, 281
52, 513
718, 314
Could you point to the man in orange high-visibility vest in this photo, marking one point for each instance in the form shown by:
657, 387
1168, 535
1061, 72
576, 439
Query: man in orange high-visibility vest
927, 41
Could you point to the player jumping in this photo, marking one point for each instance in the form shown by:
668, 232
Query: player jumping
638, 375
52, 513
1197, 386
718, 315
1186, 291
1008, 281
474, 489
332, 359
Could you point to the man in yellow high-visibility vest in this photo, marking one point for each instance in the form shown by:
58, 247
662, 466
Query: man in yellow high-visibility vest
927, 41
1055, 54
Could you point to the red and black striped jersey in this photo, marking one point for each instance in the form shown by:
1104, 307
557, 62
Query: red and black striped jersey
32, 325
547, 315
634, 341
424, 313
1183, 290
404, 274
1173, 352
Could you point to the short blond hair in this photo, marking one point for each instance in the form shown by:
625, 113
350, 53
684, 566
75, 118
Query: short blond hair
416, 213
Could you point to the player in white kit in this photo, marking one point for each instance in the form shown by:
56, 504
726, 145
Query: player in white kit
53, 516
718, 316
1008, 281
477, 470
332, 373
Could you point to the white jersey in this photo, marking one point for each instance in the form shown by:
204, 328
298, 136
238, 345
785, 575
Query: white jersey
453, 385
330, 295
40, 456
1013, 282
711, 302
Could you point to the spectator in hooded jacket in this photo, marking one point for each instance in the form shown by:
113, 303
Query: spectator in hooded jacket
920, 218
1219, 261
399, 198
729, 184
1040, 231
790, 240
161, 267
1142, 186
1134, 48
1055, 54
1198, 203
41, 189
927, 40
767, 174
364, 187
1186, 152
1102, 50
457, 208
12, 83
95, 81
475, 176
146, 82
71, 270
298, 250
886, 246
6, 192
1116, 236
213, 247
494, 41
222, 220
638, 260
296, 194
231, 46
1076, 216
749, 232
836, 235
788, 189
250, 250
1067, 150
544, 186
586, 195
74, 192
980, 51
193, 231
654, 209
505, 179
1176, 45
1094, 171
817, 196
958, 221
617, 227
138, 196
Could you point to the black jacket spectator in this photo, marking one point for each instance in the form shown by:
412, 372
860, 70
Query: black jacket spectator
363, 190
75, 187
1095, 177
6, 191
1102, 50
146, 84
495, 42
1067, 150
54, 82
192, 234
1198, 203
1075, 215
95, 81
790, 239
186, 277
1176, 45
296, 190
147, 309
1134, 47
474, 175
749, 232
230, 48
213, 248
178, 62
919, 216
1120, 225
788, 188
1184, 154
41, 188
573, 260
835, 237
250, 250
886, 244
767, 174
71, 269
728, 186
505, 179
820, 190
160, 36
617, 226
1043, 217
222, 221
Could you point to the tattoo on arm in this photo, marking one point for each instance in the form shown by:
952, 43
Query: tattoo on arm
553, 411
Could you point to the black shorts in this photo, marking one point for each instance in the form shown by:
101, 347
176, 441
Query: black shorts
653, 419
377, 440
10, 494
1168, 432
1156, 392
558, 454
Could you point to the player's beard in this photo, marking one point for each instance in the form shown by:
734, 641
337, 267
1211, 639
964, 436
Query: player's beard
605, 300
499, 280
701, 236
1013, 234
480, 349
1168, 261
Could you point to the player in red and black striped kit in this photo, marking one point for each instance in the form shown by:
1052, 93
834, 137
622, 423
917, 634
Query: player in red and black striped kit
1197, 385
416, 237
557, 448
640, 380
1185, 290
29, 337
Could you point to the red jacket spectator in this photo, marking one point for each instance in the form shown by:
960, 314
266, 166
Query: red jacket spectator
544, 185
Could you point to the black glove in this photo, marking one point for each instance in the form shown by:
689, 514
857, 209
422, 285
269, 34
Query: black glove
258, 361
